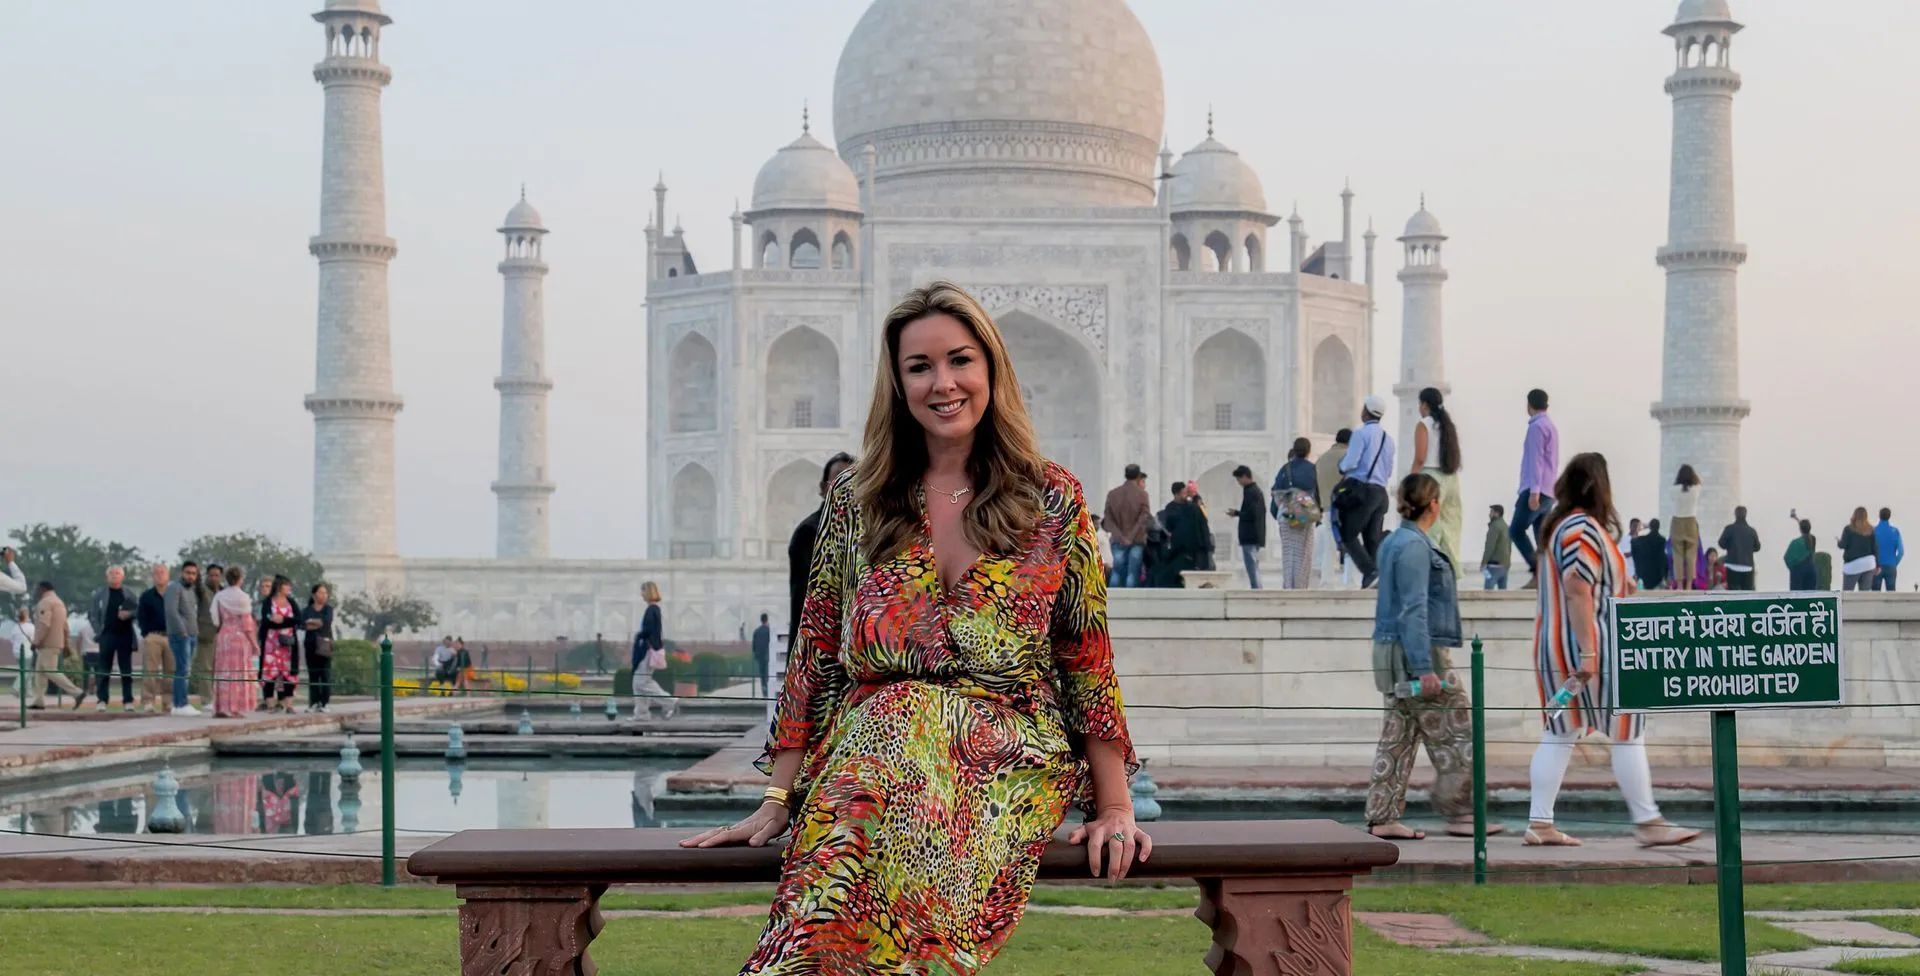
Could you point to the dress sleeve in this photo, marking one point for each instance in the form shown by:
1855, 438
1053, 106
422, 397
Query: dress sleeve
1082, 652
816, 683
1580, 552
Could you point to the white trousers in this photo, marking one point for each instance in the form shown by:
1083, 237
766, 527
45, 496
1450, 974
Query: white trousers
1630, 770
1334, 572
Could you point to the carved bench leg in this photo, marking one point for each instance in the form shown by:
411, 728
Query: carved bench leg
528, 930
1296, 926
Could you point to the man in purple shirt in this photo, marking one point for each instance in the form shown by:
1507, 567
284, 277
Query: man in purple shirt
1539, 468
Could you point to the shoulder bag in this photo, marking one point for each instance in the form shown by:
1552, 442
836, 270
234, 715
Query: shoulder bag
1347, 493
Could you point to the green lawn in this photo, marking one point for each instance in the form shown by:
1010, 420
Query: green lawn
191, 945
1671, 921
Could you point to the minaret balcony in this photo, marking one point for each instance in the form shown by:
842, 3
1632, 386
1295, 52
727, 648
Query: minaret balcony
523, 385
1700, 257
352, 70
1702, 411
348, 406
370, 248
1703, 81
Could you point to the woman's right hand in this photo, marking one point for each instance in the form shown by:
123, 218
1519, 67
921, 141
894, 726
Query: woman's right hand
760, 826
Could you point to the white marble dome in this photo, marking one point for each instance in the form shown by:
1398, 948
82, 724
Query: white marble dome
1002, 101
1423, 224
1211, 177
1696, 11
522, 217
806, 175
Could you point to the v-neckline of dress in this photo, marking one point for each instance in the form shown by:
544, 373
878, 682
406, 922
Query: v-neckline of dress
946, 592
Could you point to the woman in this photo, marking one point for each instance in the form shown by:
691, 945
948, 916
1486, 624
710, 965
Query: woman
1683, 532
317, 621
263, 592
1582, 574
1436, 454
279, 651
1296, 503
649, 651
1416, 618
1713, 571
1800, 565
953, 689
1859, 553
235, 647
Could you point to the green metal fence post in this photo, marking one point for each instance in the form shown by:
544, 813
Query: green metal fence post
1479, 763
1726, 842
20, 681
387, 876
528, 690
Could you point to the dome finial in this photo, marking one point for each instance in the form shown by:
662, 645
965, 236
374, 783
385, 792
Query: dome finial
523, 189
1209, 121
1423, 199
806, 117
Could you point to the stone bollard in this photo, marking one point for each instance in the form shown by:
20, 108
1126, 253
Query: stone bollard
455, 770
573, 708
1145, 807
456, 742
526, 723
165, 817
349, 767
613, 708
350, 805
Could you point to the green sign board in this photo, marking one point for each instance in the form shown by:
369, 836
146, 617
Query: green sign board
1720, 650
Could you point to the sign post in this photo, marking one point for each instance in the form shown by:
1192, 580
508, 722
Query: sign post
1720, 653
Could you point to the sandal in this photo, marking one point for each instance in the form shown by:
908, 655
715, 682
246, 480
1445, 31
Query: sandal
1396, 831
1464, 828
1547, 835
1660, 833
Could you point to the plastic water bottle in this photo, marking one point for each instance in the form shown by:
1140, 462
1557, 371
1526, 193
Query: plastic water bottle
1557, 705
1411, 689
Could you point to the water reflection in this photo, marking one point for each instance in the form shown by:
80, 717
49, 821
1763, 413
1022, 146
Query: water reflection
309, 798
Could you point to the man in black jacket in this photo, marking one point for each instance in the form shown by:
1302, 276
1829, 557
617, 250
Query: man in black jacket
1738, 543
1187, 536
800, 547
1252, 514
1650, 557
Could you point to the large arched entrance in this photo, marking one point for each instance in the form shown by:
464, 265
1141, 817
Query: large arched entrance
1229, 383
1061, 386
1334, 403
695, 517
793, 493
803, 381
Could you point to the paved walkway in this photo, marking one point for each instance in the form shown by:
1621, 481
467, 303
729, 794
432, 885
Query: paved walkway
1839, 936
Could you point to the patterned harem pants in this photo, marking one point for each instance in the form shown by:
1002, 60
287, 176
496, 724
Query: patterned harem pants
1445, 724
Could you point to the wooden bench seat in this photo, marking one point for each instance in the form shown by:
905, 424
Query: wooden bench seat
1274, 892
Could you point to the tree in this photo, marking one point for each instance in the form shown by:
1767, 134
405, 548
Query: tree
386, 612
74, 562
260, 555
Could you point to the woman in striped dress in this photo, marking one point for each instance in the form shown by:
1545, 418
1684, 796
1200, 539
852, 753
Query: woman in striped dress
1586, 574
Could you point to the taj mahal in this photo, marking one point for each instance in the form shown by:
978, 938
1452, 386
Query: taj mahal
1160, 310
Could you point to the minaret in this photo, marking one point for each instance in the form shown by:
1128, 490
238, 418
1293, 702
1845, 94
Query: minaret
353, 403
523, 491
1700, 409
1422, 360
1343, 262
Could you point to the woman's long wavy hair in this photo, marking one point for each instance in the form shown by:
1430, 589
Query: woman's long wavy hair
1584, 486
1448, 450
1006, 468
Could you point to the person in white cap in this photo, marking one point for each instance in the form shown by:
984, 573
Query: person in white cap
1361, 495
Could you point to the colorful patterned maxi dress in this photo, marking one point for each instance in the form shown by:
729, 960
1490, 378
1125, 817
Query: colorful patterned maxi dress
1579, 545
943, 735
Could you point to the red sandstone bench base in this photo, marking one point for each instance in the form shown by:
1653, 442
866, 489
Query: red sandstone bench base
1274, 893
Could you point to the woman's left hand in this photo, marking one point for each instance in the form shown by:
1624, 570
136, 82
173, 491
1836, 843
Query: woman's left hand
1112, 840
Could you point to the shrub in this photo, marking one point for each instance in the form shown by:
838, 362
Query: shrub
356, 667
712, 671
623, 683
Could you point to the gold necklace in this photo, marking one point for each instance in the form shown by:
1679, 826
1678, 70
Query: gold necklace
953, 497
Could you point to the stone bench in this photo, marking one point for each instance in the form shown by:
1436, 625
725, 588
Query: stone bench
1273, 892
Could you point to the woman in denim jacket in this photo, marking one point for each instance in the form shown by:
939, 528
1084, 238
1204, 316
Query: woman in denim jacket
1416, 618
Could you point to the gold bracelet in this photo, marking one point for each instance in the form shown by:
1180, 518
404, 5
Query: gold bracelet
775, 794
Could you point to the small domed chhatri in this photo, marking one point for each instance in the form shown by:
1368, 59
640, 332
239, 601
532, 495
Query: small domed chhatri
1212, 177
1423, 223
806, 175
522, 216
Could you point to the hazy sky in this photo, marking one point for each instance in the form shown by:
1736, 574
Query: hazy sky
162, 177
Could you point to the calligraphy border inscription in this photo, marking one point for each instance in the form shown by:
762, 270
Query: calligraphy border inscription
1717, 651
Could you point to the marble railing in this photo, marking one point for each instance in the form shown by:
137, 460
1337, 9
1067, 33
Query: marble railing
1278, 677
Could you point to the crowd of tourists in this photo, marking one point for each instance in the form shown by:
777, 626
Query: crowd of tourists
258, 640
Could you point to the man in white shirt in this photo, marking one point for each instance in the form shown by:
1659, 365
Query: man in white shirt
12, 580
17, 631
